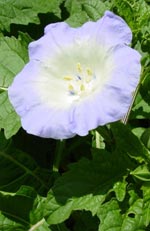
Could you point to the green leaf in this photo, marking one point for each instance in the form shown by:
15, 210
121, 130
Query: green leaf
146, 197
9, 120
16, 206
146, 138
127, 142
25, 11
120, 189
113, 219
136, 14
57, 212
141, 110
133, 219
40, 226
138, 131
15, 211
7, 224
110, 217
86, 185
142, 173
36, 214
17, 168
82, 11
95, 9
12, 59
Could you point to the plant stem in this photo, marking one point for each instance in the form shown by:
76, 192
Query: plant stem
58, 155
126, 117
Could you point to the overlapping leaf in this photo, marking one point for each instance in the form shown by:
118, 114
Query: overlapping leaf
25, 11
86, 185
82, 11
112, 188
17, 168
15, 211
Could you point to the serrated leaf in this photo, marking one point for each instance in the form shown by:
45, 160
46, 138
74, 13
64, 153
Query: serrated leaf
112, 218
55, 212
136, 13
133, 219
25, 11
86, 185
95, 8
82, 11
13, 57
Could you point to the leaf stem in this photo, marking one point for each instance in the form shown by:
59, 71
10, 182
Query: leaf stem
38, 224
97, 139
58, 155
3, 88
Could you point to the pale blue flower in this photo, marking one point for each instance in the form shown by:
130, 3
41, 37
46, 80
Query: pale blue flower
77, 78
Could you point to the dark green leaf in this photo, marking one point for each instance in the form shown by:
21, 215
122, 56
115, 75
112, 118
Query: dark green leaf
17, 168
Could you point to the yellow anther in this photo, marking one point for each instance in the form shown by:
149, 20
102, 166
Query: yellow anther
89, 71
82, 87
79, 67
68, 78
70, 87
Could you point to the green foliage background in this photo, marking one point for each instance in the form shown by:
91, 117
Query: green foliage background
103, 182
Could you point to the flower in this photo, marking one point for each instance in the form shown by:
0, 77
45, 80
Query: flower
77, 78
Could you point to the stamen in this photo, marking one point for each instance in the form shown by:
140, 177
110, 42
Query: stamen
71, 89
82, 87
81, 82
89, 71
68, 78
79, 68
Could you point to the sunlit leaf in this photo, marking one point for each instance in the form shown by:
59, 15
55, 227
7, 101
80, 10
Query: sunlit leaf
12, 59
25, 12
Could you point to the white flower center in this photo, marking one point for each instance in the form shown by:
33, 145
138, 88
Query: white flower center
81, 83
74, 74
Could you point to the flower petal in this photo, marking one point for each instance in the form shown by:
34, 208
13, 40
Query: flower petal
40, 116
57, 37
113, 101
46, 122
105, 73
108, 31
